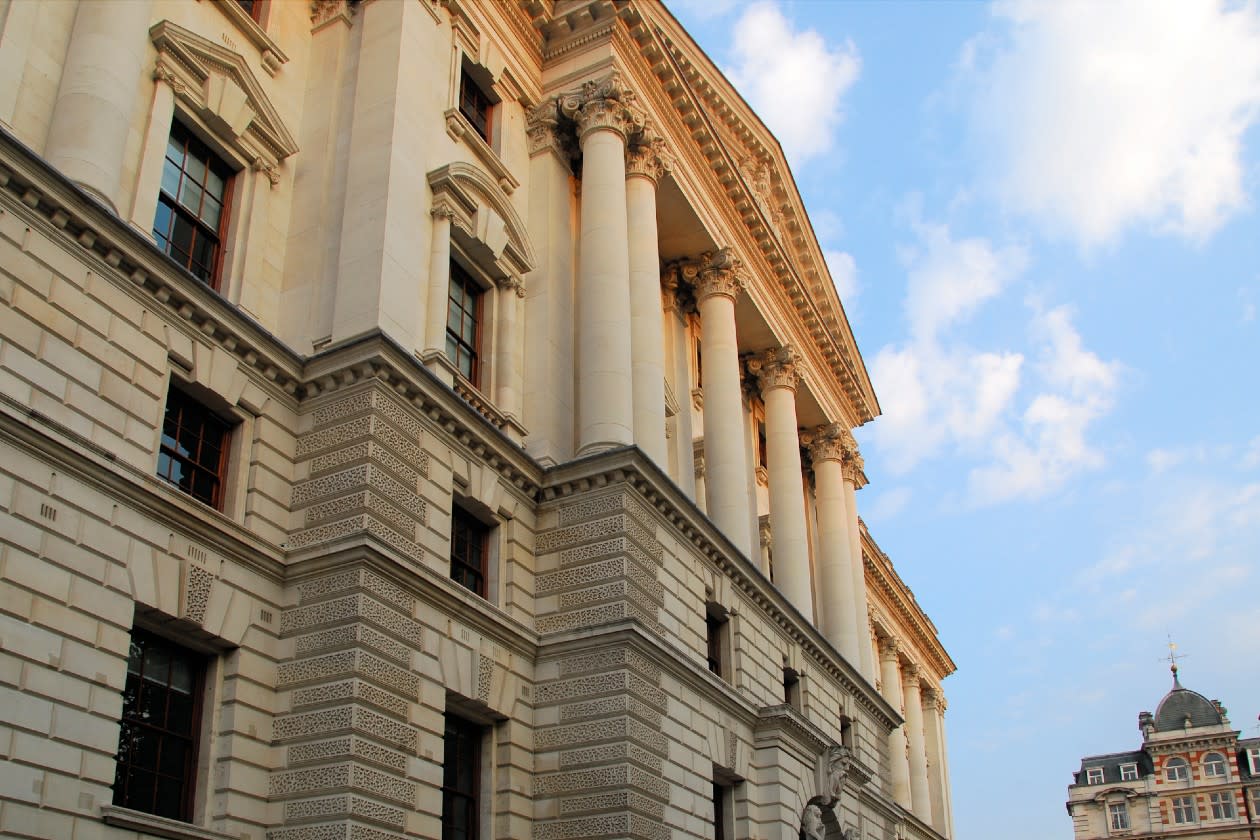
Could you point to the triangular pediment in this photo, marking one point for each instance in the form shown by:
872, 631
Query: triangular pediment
218, 85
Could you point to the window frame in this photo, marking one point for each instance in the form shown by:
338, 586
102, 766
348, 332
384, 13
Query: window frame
717, 622
199, 666
176, 211
253, 8
1090, 776
221, 472
1215, 767
1129, 772
475, 104
1223, 805
1184, 806
1121, 810
467, 283
1253, 758
466, 529
1182, 768
473, 734
791, 688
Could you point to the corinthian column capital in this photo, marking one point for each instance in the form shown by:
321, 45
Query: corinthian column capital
545, 132
648, 158
719, 275
853, 462
911, 674
888, 648
824, 443
776, 368
602, 104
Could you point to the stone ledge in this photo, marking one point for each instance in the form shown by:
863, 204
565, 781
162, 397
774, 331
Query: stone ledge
158, 826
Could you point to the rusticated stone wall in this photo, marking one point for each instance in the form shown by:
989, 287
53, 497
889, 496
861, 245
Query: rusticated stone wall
599, 749
351, 685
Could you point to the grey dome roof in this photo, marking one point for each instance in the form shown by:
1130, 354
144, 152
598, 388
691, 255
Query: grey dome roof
1182, 703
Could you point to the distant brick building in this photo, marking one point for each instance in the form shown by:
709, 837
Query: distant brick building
1192, 777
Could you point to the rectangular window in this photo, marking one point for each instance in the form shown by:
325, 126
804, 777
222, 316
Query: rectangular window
1119, 813
1214, 766
791, 688
1223, 805
716, 622
1094, 776
1253, 758
469, 541
157, 743
1128, 772
461, 779
475, 105
194, 450
192, 206
1177, 770
1183, 810
251, 7
721, 794
463, 323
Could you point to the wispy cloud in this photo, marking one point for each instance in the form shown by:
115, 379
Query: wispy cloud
844, 274
793, 78
1100, 117
1021, 416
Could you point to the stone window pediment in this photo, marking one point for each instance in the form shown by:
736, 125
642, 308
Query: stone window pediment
495, 234
216, 84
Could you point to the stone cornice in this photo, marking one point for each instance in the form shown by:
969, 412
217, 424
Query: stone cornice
913, 627
704, 100
628, 466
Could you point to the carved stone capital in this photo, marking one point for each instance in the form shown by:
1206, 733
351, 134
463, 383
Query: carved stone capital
163, 73
824, 443
888, 648
719, 275
853, 461
267, 169
545, 132
442, 209
602, 104
911, 674
776, 368
325, 11
648, 158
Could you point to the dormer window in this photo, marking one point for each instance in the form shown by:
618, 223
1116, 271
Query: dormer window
1094, 776
475, 104
1128, 772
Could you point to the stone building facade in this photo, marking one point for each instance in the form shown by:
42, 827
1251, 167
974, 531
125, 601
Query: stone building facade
1191, 777
430, 418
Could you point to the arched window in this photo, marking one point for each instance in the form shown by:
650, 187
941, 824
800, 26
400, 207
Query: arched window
1177, 770
1214, 766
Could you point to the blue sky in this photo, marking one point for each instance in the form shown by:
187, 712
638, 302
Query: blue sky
1042, 220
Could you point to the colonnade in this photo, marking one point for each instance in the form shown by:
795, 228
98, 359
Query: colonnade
916, 749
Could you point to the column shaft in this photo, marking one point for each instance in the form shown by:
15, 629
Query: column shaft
835, 579
920, 795
936, 759
725, 459
891, 679
853, 476
789, 539
439, 281
647, 330
153, 156
605, 382
96, 98
507, 374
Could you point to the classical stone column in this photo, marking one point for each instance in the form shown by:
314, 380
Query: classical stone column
717, 286
777, 374
936, 757
837, 617
439, 287
679, 364
890, 671
646, 162
853, 479
96, 97
153, 157
920, 795
507, 363
605, 381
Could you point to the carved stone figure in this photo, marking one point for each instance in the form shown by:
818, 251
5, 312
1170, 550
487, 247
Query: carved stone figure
838, 760
812, 827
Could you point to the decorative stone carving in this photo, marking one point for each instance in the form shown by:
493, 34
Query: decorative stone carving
603, 104
853, 462
719, 274
812, 827
838, 760
775, 368
546, 133
647, 158
888, 648
324, 11
825, 443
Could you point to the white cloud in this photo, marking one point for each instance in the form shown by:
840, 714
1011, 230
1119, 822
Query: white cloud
1025, 426
793, 79
1102, 116
843, 270
1047, 445
1251, 459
